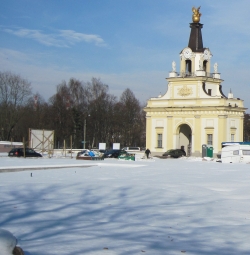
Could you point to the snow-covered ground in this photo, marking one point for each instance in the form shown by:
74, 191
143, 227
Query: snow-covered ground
155, 206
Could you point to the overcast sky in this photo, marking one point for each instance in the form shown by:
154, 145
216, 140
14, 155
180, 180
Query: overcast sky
125, 43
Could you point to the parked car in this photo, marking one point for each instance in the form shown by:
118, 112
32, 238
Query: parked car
112, 153
19, 152
176, 153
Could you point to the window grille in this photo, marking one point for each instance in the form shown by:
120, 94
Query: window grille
159, 141
210, 139
232, 137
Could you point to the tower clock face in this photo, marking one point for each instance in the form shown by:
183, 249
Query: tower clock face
187, 52
206, 54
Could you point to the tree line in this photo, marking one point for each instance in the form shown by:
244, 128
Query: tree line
77, 109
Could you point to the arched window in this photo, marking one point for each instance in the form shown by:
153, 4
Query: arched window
205, 65
188, 66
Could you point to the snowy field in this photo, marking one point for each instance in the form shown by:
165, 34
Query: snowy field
156, 206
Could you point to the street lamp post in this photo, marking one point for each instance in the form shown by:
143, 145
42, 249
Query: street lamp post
84, 134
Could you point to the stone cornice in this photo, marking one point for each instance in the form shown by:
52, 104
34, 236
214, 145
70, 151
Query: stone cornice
194, 78
199, 109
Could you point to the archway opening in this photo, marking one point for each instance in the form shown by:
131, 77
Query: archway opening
184, 138
205, 65
188, 67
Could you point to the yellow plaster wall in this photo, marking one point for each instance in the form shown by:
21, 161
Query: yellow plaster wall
194, 110
169, 137
148, 132
197, 134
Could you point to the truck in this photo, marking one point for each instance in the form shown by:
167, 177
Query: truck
235, 154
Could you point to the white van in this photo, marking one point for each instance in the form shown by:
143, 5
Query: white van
134, 149
235, 154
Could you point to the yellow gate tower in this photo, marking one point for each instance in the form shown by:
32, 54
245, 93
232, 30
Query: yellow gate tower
194, 111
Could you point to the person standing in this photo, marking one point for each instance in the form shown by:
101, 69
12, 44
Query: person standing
147, 152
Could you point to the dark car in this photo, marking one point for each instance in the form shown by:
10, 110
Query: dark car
176, 153
112, 153
19, 152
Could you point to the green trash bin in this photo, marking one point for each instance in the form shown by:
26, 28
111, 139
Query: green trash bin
210, 151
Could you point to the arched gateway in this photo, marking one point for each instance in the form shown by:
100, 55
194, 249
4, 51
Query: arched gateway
194, 111
184, 138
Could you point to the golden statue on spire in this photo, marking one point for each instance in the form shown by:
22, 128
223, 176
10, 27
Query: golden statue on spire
196, 15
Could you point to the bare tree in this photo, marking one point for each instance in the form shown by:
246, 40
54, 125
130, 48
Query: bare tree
68, 107
132, 119
14, 92
76, 104
100, 111
36, 115
246, 130
60, 113
77, 93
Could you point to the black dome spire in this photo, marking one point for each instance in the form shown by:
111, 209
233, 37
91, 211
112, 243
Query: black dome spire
195, 39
